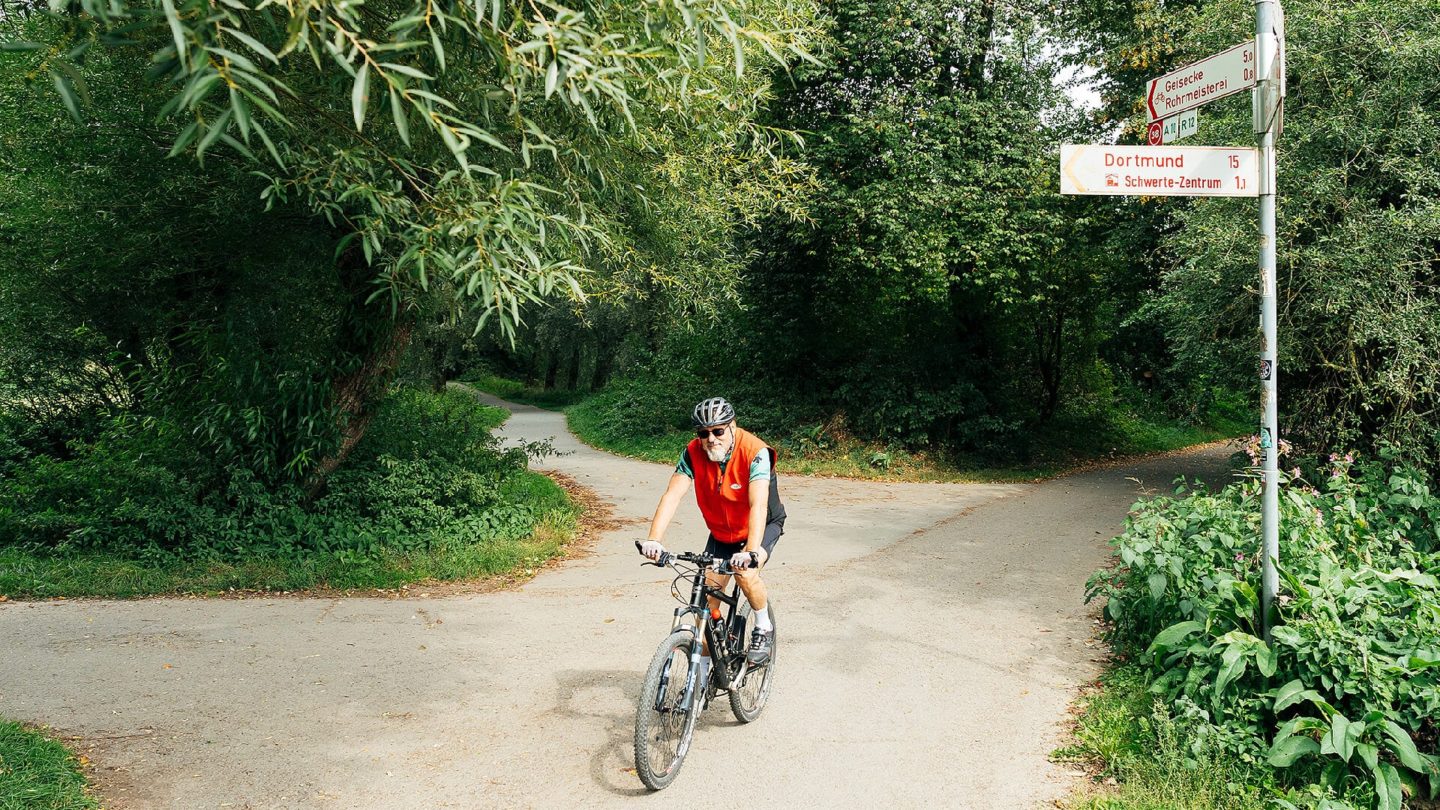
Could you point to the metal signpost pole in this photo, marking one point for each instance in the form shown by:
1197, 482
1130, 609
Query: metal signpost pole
1267, 118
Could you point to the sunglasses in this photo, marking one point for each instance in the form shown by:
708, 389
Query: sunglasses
702, 433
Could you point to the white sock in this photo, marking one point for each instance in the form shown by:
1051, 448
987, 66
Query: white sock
704, 667
762, 620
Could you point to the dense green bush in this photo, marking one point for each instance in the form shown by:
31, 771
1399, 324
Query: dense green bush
427, 475
1345, 700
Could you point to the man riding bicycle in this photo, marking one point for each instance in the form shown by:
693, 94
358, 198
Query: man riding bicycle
734, 476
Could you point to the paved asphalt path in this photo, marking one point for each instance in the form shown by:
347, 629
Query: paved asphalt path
931, 637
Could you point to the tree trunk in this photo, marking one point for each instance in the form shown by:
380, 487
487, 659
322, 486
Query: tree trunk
1049, 349
981, 34
603, 361
357, 396
552, 370
439, 352
572, 377
377, 342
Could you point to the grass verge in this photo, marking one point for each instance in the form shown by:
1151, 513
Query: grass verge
1141, 758
28, 574
1125, 435
554, 399
39, 773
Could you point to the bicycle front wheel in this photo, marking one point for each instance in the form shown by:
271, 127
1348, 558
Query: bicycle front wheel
748, 697
662, 724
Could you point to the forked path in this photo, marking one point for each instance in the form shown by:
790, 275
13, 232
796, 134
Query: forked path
930, 639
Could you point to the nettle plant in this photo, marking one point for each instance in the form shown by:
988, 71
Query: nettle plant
1345, 700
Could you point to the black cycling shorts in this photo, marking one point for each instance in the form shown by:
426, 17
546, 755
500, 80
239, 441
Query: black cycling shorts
773, 530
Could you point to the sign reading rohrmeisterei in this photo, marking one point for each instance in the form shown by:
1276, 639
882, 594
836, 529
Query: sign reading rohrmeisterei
1209, 79
1160, 171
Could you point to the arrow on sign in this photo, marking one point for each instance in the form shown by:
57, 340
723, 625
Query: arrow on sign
1068, 170
1211, 78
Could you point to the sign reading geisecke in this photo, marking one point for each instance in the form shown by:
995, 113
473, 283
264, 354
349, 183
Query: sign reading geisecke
1212, 78
1160, 171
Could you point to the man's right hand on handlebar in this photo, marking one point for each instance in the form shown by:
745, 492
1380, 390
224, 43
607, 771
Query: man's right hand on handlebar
652, 549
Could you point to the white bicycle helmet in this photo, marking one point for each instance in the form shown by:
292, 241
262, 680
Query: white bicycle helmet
712, 412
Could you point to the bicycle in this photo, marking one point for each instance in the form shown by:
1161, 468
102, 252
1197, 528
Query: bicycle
670, 699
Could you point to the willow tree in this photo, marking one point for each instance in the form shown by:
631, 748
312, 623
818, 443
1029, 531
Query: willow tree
478, 156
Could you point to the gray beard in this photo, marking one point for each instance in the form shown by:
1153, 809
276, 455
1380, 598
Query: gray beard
717, 456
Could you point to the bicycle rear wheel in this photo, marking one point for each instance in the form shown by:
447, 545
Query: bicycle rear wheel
748, 697
662, 725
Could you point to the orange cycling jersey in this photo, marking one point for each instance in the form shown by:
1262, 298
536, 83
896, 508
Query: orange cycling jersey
724, 495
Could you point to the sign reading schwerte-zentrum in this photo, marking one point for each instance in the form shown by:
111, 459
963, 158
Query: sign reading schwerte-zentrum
1209, 79
1159, 171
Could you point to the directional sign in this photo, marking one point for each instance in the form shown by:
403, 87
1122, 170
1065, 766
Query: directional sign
1215, 77
1160, 171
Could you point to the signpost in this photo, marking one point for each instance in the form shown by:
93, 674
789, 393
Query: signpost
1160, 171
1266, 105
1215, 171
1212, 78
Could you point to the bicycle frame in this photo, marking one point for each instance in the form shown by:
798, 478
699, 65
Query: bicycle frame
699, 607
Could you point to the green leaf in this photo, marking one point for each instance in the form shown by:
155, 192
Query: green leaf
438, 47
252, 43
1287, 750
177, 29
1423, 659
1157, 582
398, 113
408, 71
184, 139
1403, 746
75, 78
1232, 666
1387, 787
67, 94
552, 77
1289, 694
1368, 754
360, 95
242, 112
216, 129
20, 45
1170, 636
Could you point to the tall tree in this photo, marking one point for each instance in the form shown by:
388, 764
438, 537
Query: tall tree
498, 152
930, 299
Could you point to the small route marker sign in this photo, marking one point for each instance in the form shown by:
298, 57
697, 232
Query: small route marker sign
1160, 171
1180, 127
1214, 77
1172, 129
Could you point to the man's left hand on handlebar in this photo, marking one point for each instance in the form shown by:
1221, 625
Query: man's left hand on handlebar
743, 559
652, 549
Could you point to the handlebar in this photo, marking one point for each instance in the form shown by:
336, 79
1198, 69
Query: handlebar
703, 559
